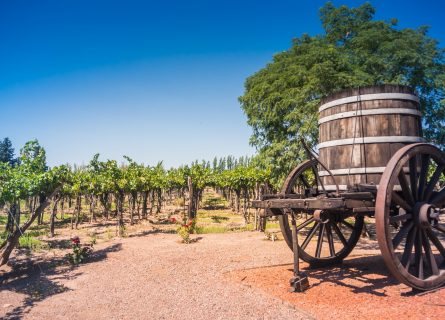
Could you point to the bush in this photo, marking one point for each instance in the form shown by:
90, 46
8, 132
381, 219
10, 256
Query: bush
186, 229
80, 253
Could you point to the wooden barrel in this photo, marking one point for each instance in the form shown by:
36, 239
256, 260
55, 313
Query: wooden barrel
360, 129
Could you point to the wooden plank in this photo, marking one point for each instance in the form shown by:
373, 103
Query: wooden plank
312, 203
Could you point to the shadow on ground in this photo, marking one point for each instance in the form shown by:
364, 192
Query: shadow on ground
366, 274
39, 278
153, 231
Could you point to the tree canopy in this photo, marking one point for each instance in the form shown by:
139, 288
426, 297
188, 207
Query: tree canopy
281, 99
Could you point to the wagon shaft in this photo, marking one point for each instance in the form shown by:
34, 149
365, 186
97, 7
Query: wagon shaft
366, 204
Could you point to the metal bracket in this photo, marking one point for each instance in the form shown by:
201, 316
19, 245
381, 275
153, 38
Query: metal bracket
299, 282
311, 157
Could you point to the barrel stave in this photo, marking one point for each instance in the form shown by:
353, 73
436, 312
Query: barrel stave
358, 138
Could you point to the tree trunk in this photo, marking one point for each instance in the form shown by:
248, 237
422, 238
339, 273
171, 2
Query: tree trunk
78, 209
92, 205
40, 218
8, 245
62, 206
237, 200
139, 202
17, 215
144, 204
159, 201
192, 199
152, 201
132, 205
53, 216
105, 201
11, 214
120, 197
245, 207
30, 204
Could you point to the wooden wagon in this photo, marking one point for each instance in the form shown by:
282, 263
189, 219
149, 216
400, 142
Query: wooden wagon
371, 162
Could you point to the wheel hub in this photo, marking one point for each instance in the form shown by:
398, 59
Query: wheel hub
321, 216
425, 215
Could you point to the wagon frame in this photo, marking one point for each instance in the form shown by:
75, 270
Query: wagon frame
407, 203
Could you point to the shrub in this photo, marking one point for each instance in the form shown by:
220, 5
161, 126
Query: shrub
80, 253
186, 229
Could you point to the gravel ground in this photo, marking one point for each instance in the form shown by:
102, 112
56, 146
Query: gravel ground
153, 277
360, 288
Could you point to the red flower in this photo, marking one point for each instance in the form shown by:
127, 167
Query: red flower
172, 220
75, 240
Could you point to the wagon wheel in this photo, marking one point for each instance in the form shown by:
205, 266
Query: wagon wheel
410, 218
324, 242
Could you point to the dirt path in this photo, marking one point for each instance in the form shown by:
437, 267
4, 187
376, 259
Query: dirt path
222, 276
153, 277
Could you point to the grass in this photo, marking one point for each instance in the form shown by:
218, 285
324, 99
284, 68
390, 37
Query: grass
272, 225
110, 233
219, 219
3, 219
222, 229
31, 242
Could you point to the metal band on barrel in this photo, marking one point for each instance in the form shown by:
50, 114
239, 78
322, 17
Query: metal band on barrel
367, 97
343, 187
369, 112
367, 140
340, 172
332, 187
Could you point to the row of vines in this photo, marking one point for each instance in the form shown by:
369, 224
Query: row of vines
125, 193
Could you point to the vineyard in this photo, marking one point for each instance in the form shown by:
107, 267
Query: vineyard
35, 196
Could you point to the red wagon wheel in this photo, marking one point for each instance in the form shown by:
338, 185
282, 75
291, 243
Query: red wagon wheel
410, 216
323, 240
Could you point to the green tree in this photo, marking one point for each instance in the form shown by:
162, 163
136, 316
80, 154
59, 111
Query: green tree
281, 99
6, 151
33, 156
20, 182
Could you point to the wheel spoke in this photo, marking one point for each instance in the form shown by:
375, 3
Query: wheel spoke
405, 187
432, 183
436, 242
306, 184
402, 234
330, 239
320, 240
407, 251
418, 255
430, 260
339, 234
310, 235
304, 224
423, 175
401, 217
401, 202
413, 176
439, 198
346, 223
439, 228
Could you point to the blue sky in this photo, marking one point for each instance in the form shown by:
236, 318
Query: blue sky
154, 80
